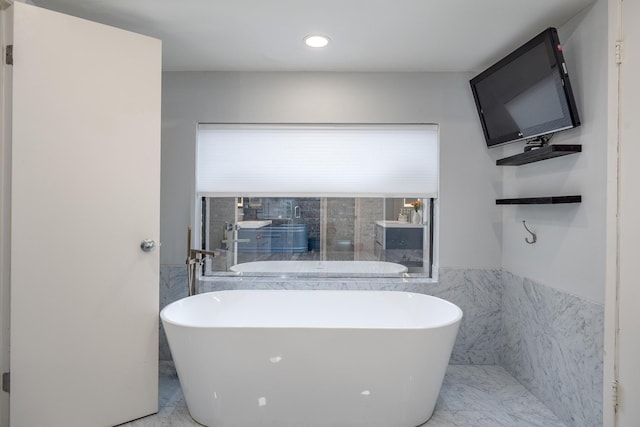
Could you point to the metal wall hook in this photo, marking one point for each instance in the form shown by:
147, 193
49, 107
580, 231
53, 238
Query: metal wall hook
534, 237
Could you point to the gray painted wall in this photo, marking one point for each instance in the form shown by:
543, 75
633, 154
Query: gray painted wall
570, 253
470, 223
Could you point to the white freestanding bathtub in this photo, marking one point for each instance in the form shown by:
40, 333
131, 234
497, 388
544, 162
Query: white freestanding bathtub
282, 358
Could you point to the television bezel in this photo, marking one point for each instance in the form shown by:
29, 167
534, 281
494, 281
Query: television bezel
550, 39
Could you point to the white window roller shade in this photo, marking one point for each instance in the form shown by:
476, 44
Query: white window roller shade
336, 160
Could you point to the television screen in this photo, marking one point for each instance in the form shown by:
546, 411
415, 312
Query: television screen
526, 95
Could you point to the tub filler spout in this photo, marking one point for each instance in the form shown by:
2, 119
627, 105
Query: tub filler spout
195, 258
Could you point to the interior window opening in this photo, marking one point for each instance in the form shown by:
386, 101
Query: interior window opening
254, 235
338, 200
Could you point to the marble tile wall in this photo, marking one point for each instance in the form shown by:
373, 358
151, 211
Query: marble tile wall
478, 292
553, 345
173, 286
550, 341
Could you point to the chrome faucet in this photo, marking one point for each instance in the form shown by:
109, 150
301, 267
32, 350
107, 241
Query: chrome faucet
195, 258
233, 228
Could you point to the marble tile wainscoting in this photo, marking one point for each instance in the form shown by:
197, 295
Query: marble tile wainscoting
554, 347
477, 292
173, 286
551, 342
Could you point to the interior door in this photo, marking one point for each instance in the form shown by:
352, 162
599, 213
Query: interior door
85, 187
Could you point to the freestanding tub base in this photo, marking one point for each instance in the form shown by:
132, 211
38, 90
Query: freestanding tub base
311, 358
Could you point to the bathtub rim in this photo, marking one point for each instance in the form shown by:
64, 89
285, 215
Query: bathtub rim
456, 320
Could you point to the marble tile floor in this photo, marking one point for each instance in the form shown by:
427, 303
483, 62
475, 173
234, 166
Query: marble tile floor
471, 396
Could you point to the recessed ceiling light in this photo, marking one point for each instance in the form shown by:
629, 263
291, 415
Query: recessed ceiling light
316, 41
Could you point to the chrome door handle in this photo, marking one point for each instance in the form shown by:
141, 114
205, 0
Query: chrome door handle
147, 245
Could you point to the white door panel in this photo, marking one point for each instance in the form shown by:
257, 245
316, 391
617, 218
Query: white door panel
85, 193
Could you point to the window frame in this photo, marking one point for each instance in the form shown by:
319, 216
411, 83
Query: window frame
433, 227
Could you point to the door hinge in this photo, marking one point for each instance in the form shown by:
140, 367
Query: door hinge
8, 55
614, 394
618, 52
6, 381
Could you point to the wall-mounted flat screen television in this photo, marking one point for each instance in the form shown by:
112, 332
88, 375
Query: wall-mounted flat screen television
526, 95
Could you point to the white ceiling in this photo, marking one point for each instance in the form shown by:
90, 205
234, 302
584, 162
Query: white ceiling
366, 35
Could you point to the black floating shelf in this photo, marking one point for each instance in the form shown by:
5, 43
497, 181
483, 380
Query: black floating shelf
549, 200
543, 153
